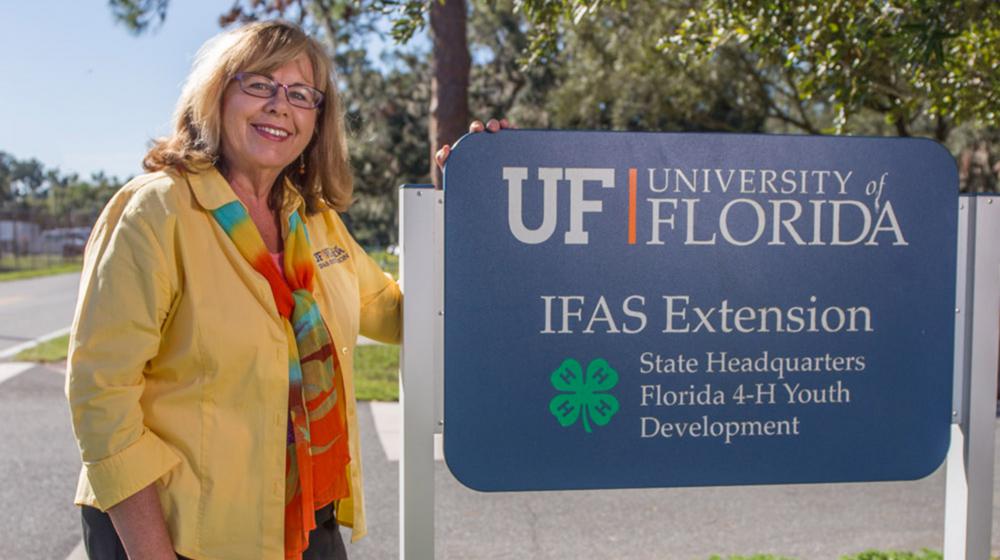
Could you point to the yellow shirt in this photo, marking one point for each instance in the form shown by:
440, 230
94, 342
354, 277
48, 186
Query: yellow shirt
178, 366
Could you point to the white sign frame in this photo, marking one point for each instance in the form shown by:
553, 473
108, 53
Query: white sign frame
970, 463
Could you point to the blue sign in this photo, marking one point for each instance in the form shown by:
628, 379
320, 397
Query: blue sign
650, 310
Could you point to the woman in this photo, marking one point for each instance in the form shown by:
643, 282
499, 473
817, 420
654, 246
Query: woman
210, 367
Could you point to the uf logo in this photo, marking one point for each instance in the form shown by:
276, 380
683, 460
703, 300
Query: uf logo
578, 205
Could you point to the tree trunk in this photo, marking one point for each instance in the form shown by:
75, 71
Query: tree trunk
449, 77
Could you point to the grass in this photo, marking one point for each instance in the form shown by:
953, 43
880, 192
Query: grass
924, 554
42, 270
752, 557
49, 351
376, 373
376, 367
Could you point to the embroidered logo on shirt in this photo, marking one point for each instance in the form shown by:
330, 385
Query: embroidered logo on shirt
330, 255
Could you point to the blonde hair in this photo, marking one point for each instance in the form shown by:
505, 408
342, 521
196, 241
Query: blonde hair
260, 47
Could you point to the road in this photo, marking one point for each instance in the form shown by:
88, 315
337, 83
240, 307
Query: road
35, 307
39, 464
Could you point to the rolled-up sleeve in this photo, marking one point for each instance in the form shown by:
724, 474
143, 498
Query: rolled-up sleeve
127, 286
381, 299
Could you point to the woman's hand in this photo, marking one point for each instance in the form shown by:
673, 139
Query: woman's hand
491, 125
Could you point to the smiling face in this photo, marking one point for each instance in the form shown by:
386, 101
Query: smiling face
263, 136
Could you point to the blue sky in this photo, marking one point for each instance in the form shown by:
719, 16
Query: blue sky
84, 95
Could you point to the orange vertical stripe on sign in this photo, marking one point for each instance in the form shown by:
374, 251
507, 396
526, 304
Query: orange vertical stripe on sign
631, 205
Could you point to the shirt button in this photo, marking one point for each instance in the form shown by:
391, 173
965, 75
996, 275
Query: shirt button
343, 350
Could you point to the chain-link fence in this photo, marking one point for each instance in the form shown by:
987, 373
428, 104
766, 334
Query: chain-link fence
31, 240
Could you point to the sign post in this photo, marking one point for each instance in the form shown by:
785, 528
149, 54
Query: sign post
419, 275
969, 495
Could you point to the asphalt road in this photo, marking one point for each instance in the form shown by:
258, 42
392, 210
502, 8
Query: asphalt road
35, 307
39, 464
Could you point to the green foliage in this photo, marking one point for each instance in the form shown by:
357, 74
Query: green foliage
387, 115
902, 58
923, 65
924, 554
546, 15
499, 85
610, 79
408, 16
139, 15
376, 373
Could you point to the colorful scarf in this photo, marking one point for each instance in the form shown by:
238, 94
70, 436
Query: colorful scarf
315, 462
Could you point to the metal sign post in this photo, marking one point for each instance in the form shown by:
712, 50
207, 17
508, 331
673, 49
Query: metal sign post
969, 495
419, 272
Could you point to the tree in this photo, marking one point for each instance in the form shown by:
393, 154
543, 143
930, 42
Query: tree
923, 65
387, 135
31, 191
620, 80
450, 63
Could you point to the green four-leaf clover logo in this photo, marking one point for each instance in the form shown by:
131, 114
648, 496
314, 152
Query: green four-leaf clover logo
586, 396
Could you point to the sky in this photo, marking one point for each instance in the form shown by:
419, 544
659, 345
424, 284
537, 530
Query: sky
83, 94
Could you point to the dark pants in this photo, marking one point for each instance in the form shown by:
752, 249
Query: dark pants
102, 542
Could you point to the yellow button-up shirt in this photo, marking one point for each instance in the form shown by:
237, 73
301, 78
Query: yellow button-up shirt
178, 365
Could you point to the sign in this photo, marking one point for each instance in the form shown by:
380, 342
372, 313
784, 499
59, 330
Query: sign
649, 310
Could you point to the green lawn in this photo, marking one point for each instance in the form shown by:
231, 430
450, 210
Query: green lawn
376, 367
11, 270
376, 373
49, 351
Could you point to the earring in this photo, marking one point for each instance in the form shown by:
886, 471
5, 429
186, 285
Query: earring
302, 163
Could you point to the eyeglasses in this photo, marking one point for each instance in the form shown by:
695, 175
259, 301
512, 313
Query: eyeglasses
299, 95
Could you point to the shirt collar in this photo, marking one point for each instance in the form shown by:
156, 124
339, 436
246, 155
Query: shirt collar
212, 191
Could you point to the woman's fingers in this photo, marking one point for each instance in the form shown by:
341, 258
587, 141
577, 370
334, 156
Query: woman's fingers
492, 125
442, 155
